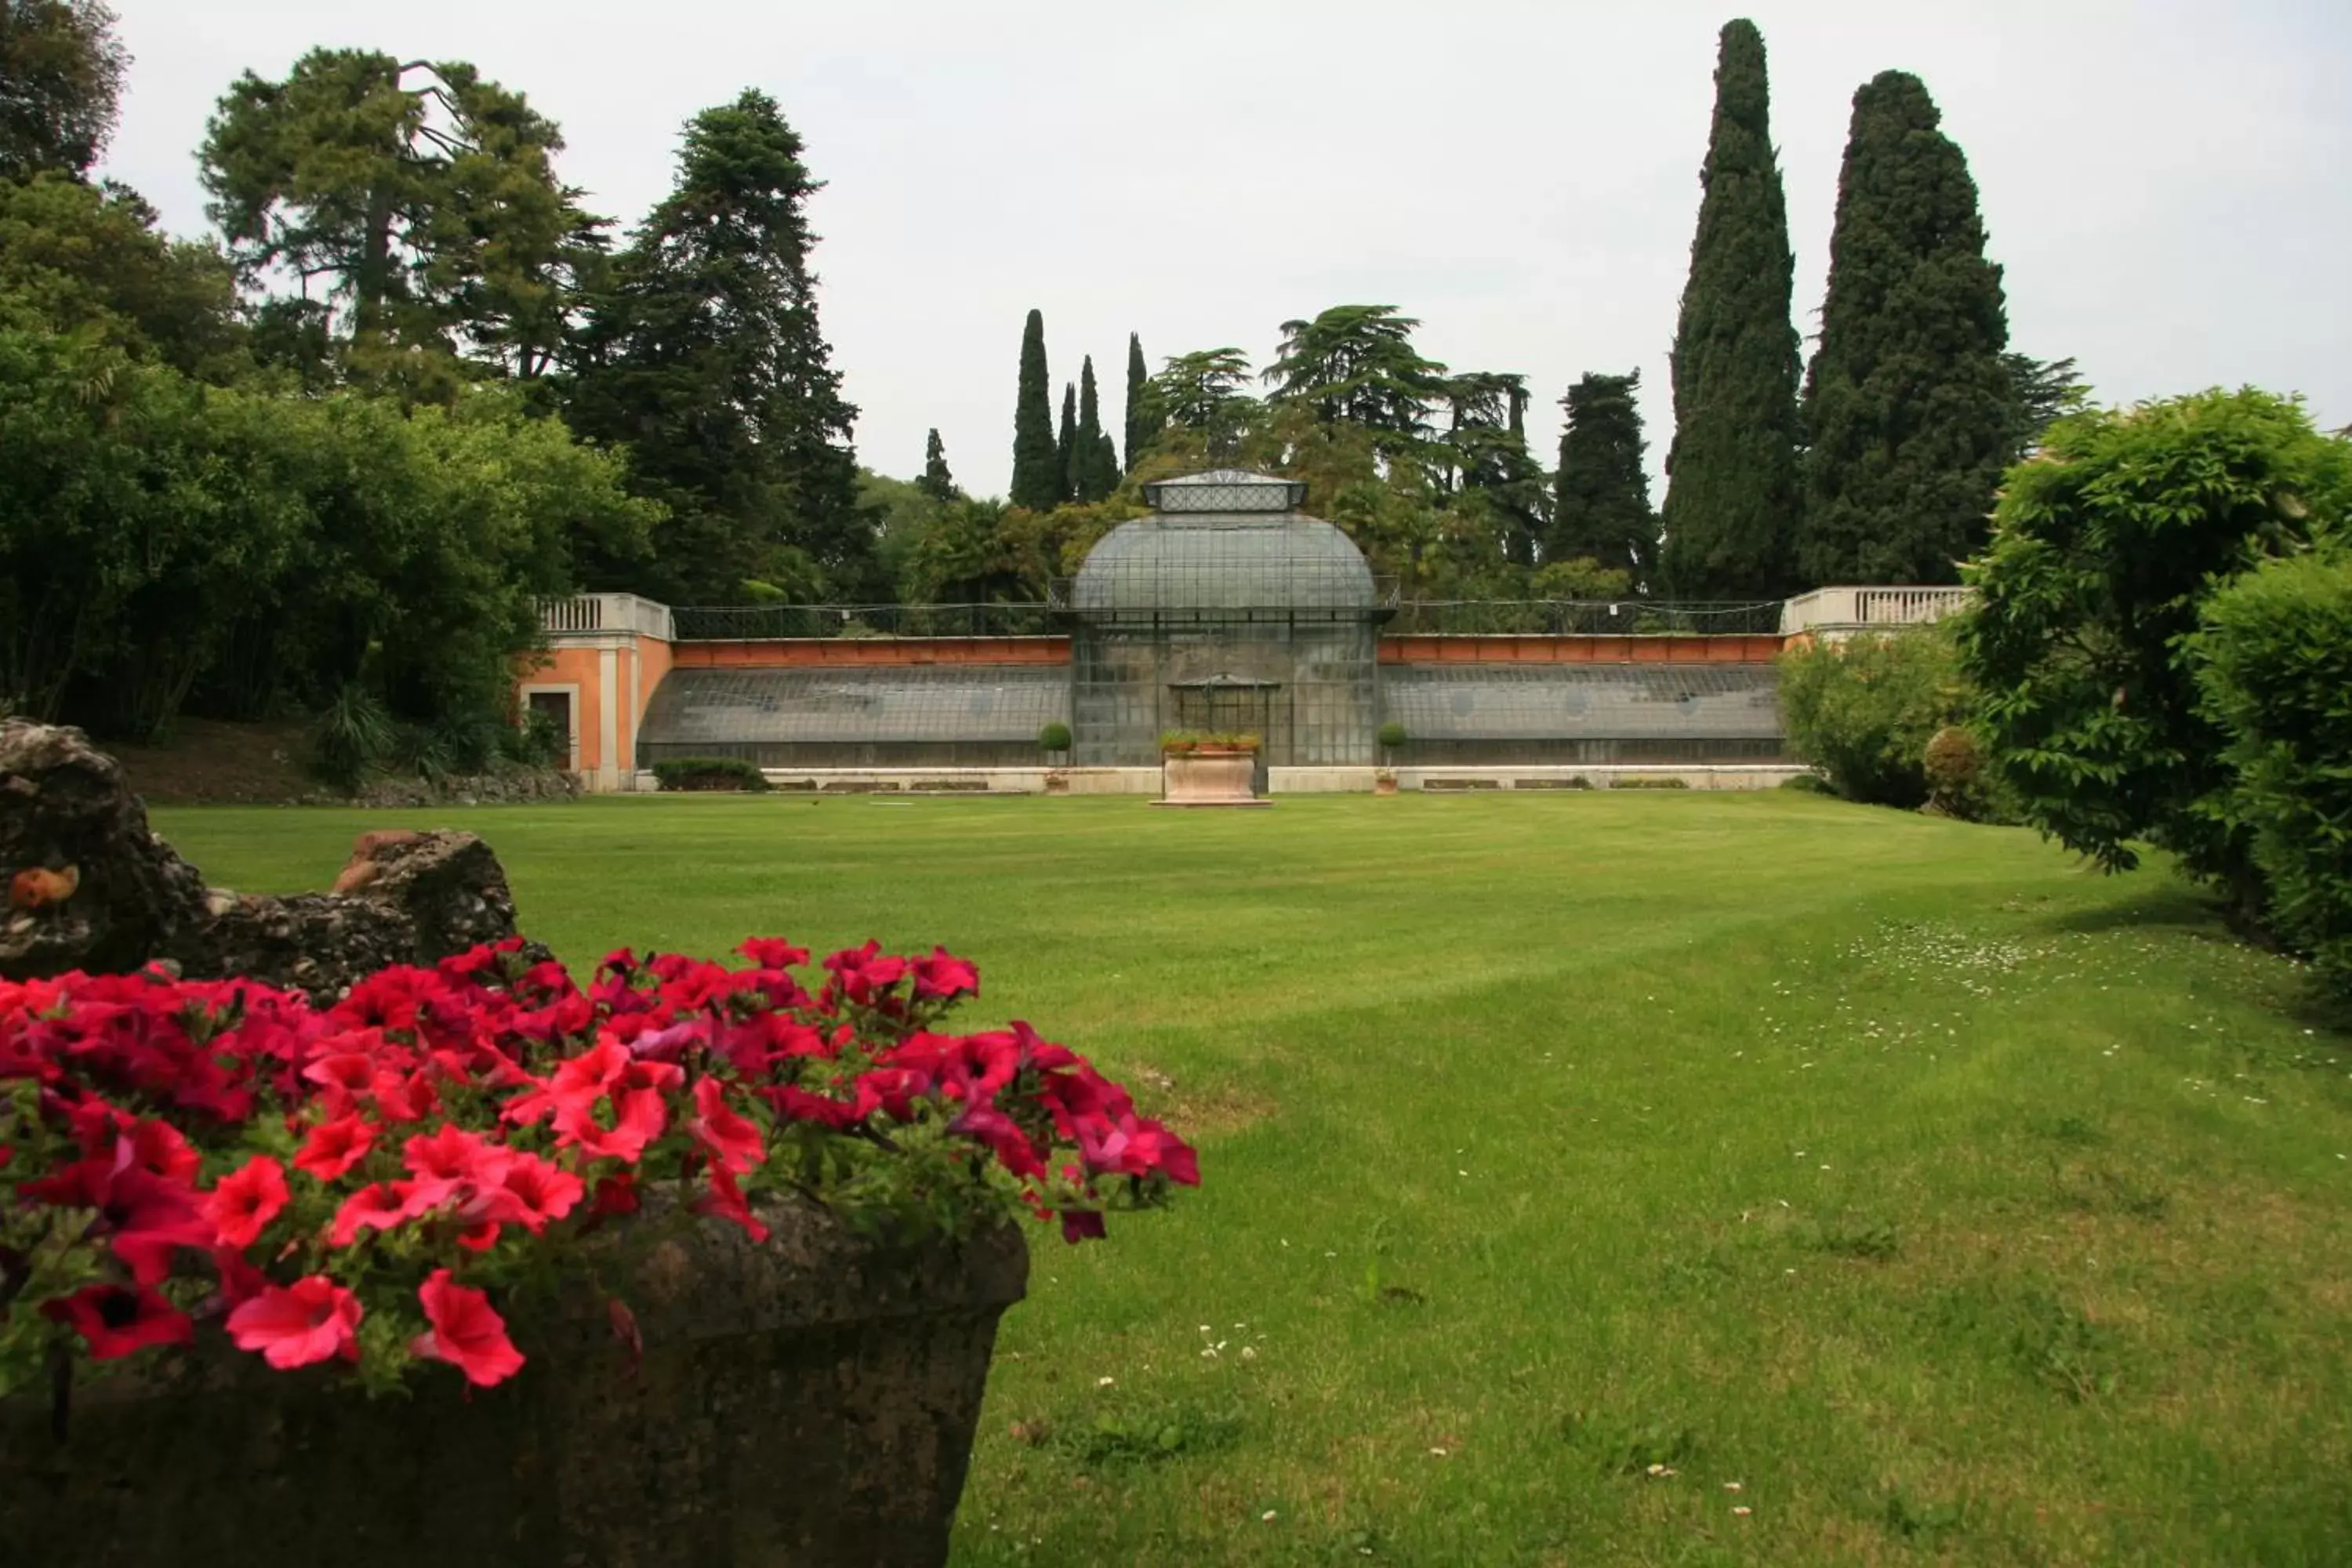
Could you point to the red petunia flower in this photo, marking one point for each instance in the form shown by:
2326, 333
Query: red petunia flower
116, 1321
605, 1076
1004, 1137
726, 1200
801, 1106
732, 1139
146, 1217
942, 975
467, 1331
239, 1282
312, 1319
245, 1200
376, 1206
345, 1076
616, 1195
536, 1192
774, 953
333, 1147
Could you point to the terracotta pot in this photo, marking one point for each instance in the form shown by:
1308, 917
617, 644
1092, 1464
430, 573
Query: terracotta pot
809, 1401
1383, 786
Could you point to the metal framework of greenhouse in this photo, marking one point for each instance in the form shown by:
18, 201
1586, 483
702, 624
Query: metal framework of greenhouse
1227, 607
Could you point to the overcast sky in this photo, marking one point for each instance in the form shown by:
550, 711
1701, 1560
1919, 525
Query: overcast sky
2164, 182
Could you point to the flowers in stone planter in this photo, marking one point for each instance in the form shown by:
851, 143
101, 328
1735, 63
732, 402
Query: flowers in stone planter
359, 1186
1186, 743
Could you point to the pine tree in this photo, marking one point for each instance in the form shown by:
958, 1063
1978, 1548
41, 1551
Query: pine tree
1093, 464
416, 208
62, 70
937, 482
1910, 408
707, 362
1601, 506
1036, 472
1066, 440
1733, 494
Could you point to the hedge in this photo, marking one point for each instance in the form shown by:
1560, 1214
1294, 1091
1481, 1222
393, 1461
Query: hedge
710, 773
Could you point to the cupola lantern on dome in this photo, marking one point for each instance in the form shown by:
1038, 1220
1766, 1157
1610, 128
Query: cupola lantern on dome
1226, 489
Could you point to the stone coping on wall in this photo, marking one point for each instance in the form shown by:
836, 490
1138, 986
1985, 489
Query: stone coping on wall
949, 783
850, 653
1607, 775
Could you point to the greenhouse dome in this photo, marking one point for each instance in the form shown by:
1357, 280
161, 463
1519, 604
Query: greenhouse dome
1220, 541
1227, 609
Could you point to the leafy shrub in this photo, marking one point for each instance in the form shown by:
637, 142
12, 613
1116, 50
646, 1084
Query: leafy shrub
351, 737
1053, 737
1808, 783
1962, 782
709, 773
1863, 711
1392, 736
2274, 668
536, 742
2104, 549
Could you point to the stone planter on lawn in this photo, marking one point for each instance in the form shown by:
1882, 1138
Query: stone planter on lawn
1210, 776
802, 1403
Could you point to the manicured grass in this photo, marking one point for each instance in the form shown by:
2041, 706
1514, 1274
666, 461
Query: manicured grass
1947, 1200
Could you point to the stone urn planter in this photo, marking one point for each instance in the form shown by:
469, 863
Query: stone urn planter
1210, 775
806, 1402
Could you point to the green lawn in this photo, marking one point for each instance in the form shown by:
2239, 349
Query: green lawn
1902, 1183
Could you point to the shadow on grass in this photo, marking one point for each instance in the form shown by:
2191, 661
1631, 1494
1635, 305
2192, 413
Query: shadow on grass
2171, 906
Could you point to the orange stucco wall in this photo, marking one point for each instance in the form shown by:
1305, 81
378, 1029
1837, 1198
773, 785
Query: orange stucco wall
637, 665
575, 667
795, 653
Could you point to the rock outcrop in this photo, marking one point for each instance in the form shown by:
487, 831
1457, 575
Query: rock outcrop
93, 888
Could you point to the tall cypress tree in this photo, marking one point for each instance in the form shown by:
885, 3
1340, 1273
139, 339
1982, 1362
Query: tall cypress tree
1094, 462
937, 482
705, 358
1909, 405
1733, 493
1066, 441
1036, 470
1601, 499
1144, 417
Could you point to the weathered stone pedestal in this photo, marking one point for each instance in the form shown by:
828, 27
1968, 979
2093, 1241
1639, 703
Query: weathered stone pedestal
92, 887
809, 1402
1209, 778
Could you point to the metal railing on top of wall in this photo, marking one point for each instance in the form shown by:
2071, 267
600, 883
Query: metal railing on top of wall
1584, 617
763, 623
593, 614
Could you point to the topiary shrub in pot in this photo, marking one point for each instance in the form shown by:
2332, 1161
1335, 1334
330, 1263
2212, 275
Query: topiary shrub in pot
695, 1263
